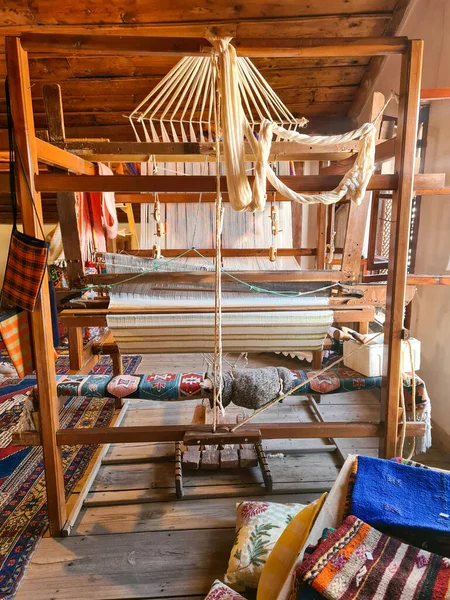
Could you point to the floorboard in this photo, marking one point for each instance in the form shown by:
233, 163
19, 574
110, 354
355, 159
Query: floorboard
157, 564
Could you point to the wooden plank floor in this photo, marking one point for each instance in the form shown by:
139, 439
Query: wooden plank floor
133, 539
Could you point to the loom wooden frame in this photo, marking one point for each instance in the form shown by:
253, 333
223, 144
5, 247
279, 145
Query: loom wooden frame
50, 435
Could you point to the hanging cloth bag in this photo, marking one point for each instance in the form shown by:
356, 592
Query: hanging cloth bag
27, 257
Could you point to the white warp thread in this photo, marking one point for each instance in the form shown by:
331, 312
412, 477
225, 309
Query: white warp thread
235, 128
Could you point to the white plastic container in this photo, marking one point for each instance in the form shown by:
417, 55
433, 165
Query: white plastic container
368, 360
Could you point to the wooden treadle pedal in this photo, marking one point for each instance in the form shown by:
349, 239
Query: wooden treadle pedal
222, 436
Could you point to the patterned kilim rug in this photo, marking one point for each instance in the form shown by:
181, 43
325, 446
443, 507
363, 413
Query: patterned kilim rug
23, 513
104, 365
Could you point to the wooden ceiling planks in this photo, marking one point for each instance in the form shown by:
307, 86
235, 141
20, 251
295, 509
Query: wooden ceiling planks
98, 90
113, 12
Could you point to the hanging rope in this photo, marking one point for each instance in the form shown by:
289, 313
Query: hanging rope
331, 246
403, 405
218, 363
236, 128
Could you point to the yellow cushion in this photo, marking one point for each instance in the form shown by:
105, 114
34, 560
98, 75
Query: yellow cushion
281, 560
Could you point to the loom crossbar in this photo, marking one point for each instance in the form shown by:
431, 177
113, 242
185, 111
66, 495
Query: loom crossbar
174, 433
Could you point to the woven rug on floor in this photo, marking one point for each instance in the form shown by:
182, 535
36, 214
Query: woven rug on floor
23, 515
104, 366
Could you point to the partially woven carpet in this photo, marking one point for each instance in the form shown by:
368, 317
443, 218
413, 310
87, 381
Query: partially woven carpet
357, 561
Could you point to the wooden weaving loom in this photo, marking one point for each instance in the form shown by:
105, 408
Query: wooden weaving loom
34, 150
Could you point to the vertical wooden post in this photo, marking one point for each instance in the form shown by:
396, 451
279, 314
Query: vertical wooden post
398, 252
66, 201
357, 216
41, 325
296, 212
354, 238
75, 337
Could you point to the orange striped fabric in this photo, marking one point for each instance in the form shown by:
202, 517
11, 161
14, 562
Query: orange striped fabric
331, 569
15, 332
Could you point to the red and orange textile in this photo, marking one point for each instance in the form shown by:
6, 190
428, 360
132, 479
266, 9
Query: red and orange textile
357, 561
103, 213
15, 332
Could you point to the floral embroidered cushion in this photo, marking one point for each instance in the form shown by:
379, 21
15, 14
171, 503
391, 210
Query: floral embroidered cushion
220, 591
258, 527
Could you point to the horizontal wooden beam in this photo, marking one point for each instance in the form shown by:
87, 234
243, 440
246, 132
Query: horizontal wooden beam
200, 183
435, 94
86, 319
64, 44
196, 277
195, 152
177, 198
97, 317
169, 433
56, 157
169, 310
183, 189
226, 252
385, 151
421, 279
440, 192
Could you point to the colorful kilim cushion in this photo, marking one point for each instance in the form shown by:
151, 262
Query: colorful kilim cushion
357, 561
410, 503
25, 270
15, 332
258, 527
220, 591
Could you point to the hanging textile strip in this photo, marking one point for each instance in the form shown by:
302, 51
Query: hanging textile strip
108, 206
15, 332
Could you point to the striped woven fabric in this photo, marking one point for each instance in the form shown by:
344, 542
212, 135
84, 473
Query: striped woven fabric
15, 332
241, 331
357, 561
25, 269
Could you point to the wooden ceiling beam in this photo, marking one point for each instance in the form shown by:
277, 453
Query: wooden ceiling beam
377, 62
99, 118
164, 13
63, 44
281, 81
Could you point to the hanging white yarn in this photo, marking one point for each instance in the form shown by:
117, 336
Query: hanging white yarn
235, 127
